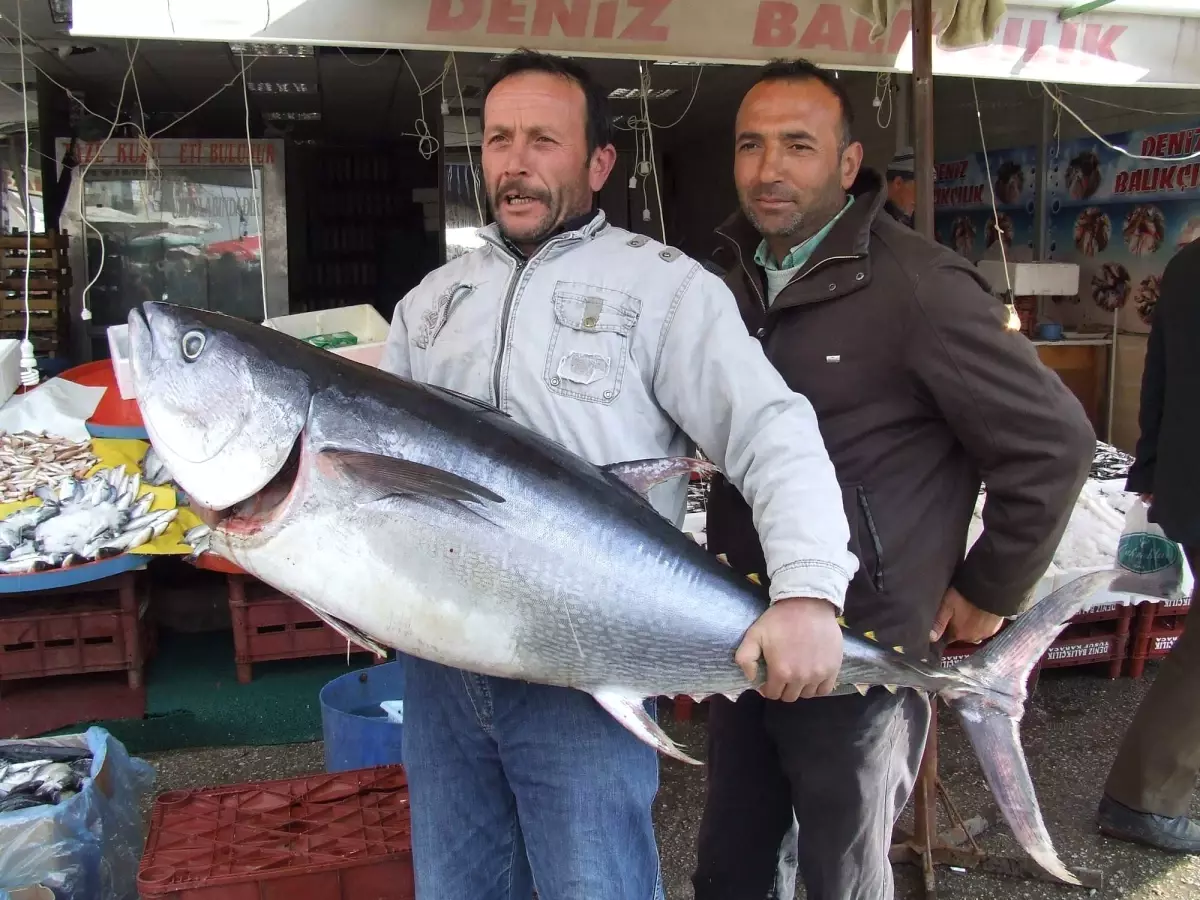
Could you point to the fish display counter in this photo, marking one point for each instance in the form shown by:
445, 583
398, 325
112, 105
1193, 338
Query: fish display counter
108, 514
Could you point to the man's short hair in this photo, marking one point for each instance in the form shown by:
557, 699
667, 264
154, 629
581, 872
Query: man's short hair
598, 122
803, 70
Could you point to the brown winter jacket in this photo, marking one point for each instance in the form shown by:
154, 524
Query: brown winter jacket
921, 392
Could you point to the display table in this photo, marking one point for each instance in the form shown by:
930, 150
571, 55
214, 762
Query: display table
1082, 364
114, 417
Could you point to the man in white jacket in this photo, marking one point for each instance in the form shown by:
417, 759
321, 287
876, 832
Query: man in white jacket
619, 348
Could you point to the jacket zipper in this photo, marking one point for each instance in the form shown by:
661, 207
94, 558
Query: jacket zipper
505, 312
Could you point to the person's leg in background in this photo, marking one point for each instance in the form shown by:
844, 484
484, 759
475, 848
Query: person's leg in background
852, 763
1150, 785
584, 788
467, 842
747, 842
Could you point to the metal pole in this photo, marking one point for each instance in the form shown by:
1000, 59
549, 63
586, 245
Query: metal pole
922, 44
1041, 237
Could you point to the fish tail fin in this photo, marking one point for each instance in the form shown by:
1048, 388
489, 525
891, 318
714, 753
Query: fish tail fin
990, 702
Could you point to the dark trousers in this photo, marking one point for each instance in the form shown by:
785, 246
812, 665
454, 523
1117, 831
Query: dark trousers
1158, 761
815, 785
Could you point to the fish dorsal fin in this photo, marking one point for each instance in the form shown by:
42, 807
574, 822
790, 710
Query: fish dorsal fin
643, 474
467, 398
388, 475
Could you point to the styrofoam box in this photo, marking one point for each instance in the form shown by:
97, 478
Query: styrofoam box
10, 368
1033, 278
118, 348
363, 321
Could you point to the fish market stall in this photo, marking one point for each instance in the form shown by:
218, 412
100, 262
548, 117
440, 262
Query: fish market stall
70, 820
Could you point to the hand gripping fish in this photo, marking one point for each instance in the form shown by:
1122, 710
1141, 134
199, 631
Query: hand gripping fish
411, 517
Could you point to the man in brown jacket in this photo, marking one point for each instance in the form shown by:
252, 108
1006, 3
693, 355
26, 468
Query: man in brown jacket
921, 393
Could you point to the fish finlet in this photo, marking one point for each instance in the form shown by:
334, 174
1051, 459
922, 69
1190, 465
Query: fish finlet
862, 689
898, 649
891, 688
869, 635
753, 576
841, 620
723, 559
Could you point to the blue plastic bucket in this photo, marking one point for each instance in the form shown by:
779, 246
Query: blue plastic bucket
357, 732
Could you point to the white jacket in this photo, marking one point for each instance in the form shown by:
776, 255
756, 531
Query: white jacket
621, 348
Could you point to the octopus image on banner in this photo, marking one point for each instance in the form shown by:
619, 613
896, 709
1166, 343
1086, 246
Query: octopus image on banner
1189, 232
1093, 230
1146, 296
1083, 175
1145, 230
1010, 181
1006, 228
1110, 286
963, 231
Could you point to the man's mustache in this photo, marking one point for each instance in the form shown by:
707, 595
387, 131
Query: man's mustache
521, 188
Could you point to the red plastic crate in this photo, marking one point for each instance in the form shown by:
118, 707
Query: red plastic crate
268, 625
91, 628
1153, 619
339, 836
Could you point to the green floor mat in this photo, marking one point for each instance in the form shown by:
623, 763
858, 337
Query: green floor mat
193, 698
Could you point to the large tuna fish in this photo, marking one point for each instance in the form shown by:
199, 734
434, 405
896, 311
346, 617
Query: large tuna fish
410, 517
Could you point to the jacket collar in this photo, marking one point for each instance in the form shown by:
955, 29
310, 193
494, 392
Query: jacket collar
579, 228
849, 237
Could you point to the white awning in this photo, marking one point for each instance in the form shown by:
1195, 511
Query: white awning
1126, 42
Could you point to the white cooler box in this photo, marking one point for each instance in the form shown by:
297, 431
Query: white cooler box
363, 321
10, 368
118, 349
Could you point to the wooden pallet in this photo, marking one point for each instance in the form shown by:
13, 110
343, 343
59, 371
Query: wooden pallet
49, 289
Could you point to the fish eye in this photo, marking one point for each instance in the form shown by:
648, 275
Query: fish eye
193, 344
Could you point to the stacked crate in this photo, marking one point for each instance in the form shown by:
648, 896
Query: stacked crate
49, 289
93, 627
1100, 635
1159, 626
268, 625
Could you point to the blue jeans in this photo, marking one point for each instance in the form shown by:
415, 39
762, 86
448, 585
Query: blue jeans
515, 786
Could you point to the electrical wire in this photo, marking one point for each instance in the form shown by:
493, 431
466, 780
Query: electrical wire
427, 144
645, 80
883, 88
1014, 320
29, 376
363, 65
462, 108
262, 268
1111, 146
1122, 107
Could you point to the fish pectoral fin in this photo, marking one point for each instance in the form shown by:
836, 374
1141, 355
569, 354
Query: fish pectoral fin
643, 474
388, 475
629, 711
349, 632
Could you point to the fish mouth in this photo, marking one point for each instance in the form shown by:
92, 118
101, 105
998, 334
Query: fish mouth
267, 505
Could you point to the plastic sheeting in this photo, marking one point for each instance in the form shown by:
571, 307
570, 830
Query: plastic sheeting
87, 847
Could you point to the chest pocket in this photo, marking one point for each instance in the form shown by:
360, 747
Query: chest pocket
590, 342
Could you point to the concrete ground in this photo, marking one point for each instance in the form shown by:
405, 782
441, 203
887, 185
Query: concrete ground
1070, 732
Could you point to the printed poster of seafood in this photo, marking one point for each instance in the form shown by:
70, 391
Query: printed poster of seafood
973, 233
1121, 219
962, 199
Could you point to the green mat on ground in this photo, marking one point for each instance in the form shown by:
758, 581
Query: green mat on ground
193, 698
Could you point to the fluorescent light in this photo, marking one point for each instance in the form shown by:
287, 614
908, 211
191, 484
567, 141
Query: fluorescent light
281, 87
636, 93
254, 49
291, 116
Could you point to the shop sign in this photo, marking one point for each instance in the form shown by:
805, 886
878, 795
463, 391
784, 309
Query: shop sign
133, 153
1029, 42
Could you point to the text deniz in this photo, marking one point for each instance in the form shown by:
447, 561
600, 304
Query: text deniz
624, 20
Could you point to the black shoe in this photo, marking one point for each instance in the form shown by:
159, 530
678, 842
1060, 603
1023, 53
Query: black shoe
1177, 835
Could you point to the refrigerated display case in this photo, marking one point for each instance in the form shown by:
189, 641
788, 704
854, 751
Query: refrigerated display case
201, 223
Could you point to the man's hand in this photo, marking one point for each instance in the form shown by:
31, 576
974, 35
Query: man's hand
966, 622
801, 641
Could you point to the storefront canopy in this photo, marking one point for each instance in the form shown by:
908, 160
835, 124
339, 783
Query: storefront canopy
1122, 42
